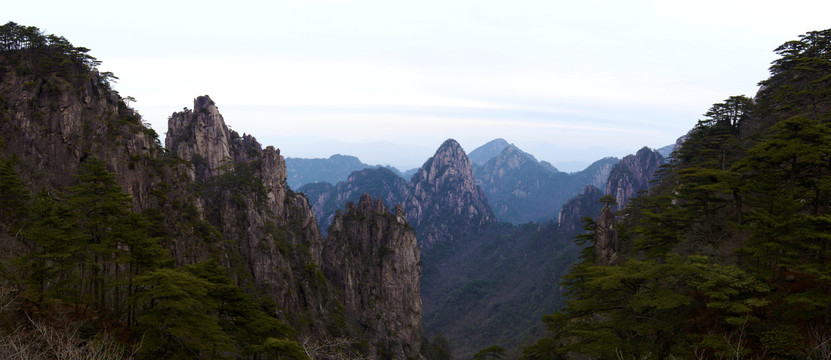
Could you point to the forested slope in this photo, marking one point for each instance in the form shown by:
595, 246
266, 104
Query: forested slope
729, 254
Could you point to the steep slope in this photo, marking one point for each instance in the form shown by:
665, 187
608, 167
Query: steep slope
479, 275
382, 299
629, 177
488, 291
596, 174
492, 288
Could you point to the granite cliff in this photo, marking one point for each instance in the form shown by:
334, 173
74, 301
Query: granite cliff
381, 298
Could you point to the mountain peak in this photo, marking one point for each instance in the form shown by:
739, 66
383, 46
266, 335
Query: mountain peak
444, 187
482, 154
201, 136
448, 157
450, 145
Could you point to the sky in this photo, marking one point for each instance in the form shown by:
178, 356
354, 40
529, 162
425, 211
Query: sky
388, 81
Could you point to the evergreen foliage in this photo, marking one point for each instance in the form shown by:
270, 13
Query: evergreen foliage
87, 248
728, 255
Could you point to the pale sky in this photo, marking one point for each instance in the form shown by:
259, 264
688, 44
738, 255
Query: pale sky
389, 81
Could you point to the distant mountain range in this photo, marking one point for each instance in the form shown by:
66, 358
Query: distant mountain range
332, 170
519, 188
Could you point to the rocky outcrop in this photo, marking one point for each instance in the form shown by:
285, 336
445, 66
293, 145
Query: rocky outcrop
633, 174
246, 197
572, 213
444, 194
606, 249
372, 259
201, 137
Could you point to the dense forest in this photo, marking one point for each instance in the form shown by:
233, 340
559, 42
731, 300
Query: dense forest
728, 256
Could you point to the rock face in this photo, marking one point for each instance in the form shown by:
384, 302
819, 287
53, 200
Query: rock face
52, 122
597, 174
606, 243
382, 298
633, 174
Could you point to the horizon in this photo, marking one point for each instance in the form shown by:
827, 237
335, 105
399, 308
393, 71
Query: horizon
568, 83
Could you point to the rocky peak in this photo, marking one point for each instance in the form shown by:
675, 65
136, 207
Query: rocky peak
633, 174
448, 165
201, 137
444, 189
372, 259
